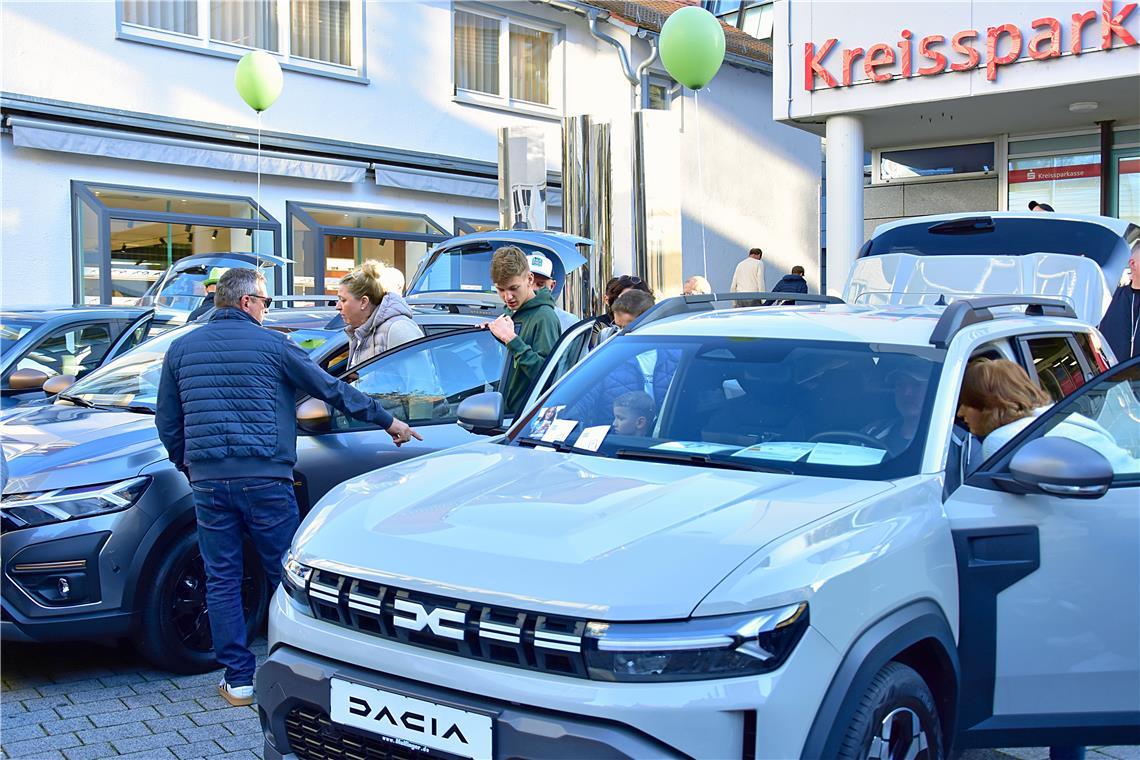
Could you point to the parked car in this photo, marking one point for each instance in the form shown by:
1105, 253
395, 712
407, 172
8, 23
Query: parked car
751, 571
181, 288
1106, 240
456, 275
52, 347
98, 536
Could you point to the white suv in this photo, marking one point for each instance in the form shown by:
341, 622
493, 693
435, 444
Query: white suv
788, 554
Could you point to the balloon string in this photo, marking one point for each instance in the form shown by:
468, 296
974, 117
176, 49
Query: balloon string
701, 181
257, 235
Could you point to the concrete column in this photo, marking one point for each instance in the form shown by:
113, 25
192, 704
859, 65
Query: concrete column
844, 198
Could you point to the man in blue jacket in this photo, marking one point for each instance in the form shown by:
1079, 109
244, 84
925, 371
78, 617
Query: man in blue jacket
226, 415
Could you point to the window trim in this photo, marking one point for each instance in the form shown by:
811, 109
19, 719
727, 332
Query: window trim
1028, 363
203, 45
996, 172
81, 193
298, 209
504, 101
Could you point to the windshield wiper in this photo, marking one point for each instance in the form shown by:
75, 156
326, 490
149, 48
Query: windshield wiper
137, 408
700, 460
559, 446
76, 400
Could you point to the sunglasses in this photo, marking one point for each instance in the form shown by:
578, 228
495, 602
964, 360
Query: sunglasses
266, 300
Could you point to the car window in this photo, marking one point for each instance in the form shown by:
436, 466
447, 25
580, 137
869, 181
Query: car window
424, 382
1105, 418
824, 408
1092, 347
11, 330
1058, 370
74, 350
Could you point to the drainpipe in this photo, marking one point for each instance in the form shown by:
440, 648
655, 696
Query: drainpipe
637, 83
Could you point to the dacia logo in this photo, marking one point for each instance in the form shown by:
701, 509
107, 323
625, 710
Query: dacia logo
439, 620
409, 720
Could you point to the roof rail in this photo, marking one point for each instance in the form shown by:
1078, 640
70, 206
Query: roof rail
969, 311
671, 307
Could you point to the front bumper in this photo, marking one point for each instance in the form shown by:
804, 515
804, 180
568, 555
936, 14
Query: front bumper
538, 714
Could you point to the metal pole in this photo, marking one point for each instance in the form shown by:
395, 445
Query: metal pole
844, 199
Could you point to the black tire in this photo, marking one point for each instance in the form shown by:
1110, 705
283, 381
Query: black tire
174, 627
895, 719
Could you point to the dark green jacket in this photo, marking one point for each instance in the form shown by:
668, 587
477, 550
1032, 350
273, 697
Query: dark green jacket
536, 331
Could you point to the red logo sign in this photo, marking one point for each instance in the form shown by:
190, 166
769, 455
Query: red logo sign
1003, 46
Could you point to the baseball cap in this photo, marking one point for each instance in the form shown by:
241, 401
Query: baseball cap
215, 275
539, 264
1044, 206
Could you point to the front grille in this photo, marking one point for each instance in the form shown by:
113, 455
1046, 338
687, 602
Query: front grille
313, 736
479, 631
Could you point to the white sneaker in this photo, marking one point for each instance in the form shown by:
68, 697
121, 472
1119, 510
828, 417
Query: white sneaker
238, 696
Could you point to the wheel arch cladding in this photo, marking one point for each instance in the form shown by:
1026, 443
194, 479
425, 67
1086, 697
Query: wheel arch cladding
916, 635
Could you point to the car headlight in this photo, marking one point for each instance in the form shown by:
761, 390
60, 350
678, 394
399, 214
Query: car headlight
26, 510
295, 579
701, 648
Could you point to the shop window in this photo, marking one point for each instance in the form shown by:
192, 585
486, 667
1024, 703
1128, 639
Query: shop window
752, 18
328, 242
938, 161
468, 226
125, 238
322, 34
504, 60
1069, 183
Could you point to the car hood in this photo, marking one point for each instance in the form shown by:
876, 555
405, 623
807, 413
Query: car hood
569, 534
61, 446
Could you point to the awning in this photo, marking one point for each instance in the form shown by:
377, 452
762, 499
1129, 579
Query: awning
431, 181
74, 138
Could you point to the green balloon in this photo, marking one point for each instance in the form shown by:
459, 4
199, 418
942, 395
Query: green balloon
692, 46
258, 79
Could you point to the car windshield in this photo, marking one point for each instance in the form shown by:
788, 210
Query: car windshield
833, 409
11, 330
132, 379
997, 236
185, 289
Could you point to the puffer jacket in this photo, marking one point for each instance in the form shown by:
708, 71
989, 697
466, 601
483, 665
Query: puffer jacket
389, 325
791, 283
227, 399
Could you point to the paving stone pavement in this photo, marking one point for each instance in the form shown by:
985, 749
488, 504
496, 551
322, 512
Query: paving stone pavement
86, 701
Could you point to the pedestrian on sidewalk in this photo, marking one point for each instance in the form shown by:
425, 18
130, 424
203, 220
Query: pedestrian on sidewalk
696, 286
1121, 322
749, 276
226, 415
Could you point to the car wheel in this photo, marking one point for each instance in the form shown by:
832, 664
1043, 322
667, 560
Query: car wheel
895, 720
174, 633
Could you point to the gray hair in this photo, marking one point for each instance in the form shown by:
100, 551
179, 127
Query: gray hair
235, 283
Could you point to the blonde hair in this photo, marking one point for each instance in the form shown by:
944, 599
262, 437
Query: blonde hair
373, 279
507, 263
701, 286
1001, 391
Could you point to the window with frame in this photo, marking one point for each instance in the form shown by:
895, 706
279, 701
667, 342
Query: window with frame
938, 161
1058, 369
322, 34
502, 59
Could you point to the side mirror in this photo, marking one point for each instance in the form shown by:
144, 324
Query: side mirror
27, 380
314, 414
58, 384
482, 413
1061, 467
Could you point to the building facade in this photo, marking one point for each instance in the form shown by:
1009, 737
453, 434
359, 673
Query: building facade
125, 145
963, 105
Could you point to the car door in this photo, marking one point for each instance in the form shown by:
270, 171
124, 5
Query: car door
1049, 584
133, 333
421, 383
72, 349
570, 349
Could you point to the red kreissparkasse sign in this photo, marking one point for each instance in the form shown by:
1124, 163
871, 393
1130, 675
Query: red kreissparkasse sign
1003, 46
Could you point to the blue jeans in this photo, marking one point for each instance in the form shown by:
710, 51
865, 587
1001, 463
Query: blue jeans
266, 510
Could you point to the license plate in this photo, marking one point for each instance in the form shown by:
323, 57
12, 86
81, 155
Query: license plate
408, 719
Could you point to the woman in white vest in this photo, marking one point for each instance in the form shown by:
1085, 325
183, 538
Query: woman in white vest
376, 316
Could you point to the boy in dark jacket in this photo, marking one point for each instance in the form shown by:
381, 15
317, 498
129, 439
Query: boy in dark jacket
792, 283
529, 328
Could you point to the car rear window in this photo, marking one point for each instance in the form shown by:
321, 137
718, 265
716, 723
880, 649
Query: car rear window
992, 236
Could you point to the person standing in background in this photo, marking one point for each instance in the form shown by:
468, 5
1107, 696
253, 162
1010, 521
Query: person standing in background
696, 286
749, 274
1121, 323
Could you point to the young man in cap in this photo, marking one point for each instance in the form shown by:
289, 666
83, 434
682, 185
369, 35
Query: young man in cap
529, 328
1035, 206
211, 283
542, 270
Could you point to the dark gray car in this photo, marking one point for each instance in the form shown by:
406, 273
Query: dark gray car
98, 534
